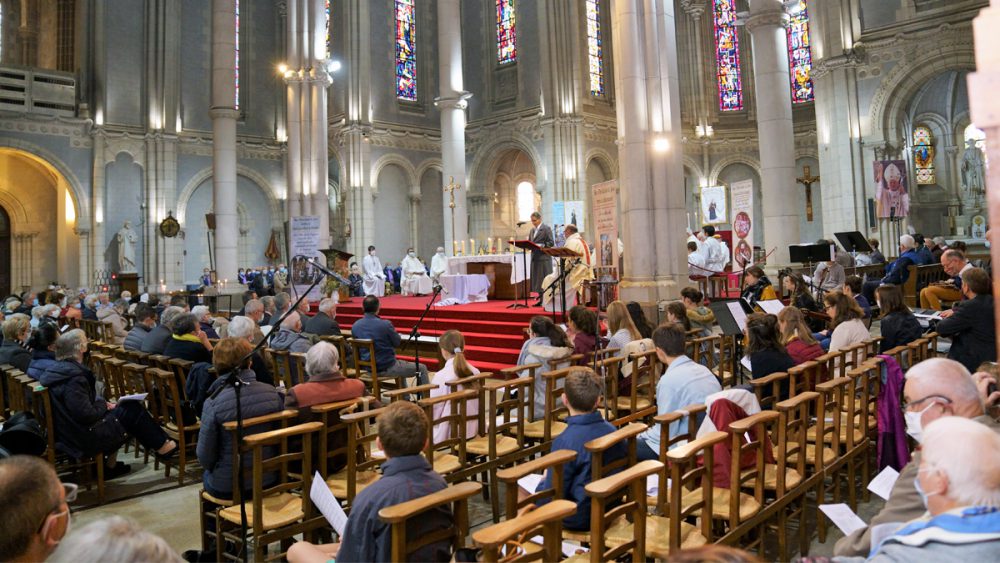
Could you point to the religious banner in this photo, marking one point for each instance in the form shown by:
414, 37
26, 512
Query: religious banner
742, 200
892, 195
303, 240
605, 213
573, 214
558, 213
713, 205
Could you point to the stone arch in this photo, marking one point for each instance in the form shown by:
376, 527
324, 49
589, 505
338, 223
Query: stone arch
404, 164
248, 173
605, 160
721, 165
694, 167
14, 208
80, 198
428, 164
488, 157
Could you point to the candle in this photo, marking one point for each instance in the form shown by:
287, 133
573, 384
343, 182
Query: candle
489, 245
472, 246
463, 247
454, 247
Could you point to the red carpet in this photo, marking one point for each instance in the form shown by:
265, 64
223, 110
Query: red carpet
493, 333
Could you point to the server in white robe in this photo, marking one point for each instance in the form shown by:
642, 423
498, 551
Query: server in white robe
414, 279
580, 270
374, 277
439, 265
712, 250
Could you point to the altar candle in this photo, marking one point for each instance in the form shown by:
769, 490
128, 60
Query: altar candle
489, 245
454, 247
463, 247
472, 245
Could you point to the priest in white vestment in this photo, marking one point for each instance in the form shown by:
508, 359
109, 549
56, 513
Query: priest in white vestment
712, 250
580, 270
374, 277
439, 265
414, 279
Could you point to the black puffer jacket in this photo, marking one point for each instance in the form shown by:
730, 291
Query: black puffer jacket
12, 353
84, 425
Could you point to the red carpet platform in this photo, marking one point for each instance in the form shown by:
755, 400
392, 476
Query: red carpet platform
493, 333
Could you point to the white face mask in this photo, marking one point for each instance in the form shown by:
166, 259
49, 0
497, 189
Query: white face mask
412, 254
914, 427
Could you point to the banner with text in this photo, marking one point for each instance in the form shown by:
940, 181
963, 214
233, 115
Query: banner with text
303, 240
741, 196
605, 213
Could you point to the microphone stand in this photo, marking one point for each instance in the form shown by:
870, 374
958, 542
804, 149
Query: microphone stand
561, 278
415, 332
232, 379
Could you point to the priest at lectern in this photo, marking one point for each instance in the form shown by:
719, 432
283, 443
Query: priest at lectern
580, 270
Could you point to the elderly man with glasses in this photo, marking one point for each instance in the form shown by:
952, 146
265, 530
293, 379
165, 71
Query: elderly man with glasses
37, 516
934, 389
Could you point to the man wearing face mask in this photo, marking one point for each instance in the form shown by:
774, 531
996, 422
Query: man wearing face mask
957, 482
934, 388
38, 515
415, 280
439, 265
280, 279
374, 277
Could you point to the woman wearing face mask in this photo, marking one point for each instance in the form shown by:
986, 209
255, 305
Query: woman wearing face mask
16, 330
899, 326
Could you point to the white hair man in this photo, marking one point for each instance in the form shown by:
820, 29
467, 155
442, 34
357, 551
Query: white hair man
959, 483
254, 311
325, 382
898, 271
37, 514
934, 389
114, 539
205, 320
289, 337
439, 265
324, 322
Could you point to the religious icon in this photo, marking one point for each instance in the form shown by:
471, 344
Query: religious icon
892, 197
713, 205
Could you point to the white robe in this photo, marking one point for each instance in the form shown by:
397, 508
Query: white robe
414, 277
374, 280
439, 266
574, 280
696, 265
715, 256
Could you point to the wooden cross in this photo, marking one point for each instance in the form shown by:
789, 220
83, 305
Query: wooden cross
808, 180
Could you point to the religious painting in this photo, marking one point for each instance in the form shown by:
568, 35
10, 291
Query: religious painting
892, 194
713, 205
573, 214
742, 208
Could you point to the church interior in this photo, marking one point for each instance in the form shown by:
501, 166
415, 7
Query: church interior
755, 232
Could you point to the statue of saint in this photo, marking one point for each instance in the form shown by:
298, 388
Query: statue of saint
972, 169
126, 249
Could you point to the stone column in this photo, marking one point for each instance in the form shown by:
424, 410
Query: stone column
985, 109
774, 128
415, 218
649, 141
224, 114
318, 126
452, 103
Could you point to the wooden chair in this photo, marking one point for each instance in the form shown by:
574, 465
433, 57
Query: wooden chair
334, 452
804, 377
279, 512
509, 477
545, 521
407, 393
827, 430
609, 370
114, 377
367, 370
282, 365
63, 463
181, 369
641, 402
793, 422
341, 345
551, 425
448, 455
174, 425
768, 389
528, 372
365, 461
400, 515
606, 510
747, 437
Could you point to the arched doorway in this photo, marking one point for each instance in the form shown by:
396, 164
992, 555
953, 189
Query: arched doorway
4, 253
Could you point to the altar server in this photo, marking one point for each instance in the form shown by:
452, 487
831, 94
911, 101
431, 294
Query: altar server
374, 283
439, 265
415, 280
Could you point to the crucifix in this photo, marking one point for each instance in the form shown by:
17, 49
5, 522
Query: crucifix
808, 180
450, 188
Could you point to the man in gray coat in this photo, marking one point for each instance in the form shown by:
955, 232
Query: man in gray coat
541, 263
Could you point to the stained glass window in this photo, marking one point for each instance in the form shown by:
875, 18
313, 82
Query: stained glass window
799, 55
236, 66
727, 55
595, 47
506, 32
328, 50
923, 155
406, 51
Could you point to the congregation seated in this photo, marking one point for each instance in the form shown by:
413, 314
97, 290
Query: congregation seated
113, 315
403, 430
958, 481
44, 313
324, 382
282, 301
847, 326
205, 321
621, 329
245, 328
90, 307
852, 288
289, 335
767, 354
581, 395
581, 329
188, 342
180, 301
37, 515
899, 326
254, 310
324, 323
639, 319
829, 275
546, 343
85, 425
215, 446
924, 254
269, 309
954, 263
970, 324
700, 316
381, 332
156, 341
800, 298
684, 383
43, 344
114, 539
934, 389
677, 313
796, 336
758, 287
145, 322
898, 271
73, 308
452, 345
16, 330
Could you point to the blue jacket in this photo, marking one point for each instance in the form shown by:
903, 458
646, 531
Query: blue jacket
215, 444
383, 334
84, 425
924, 256
41, 361
899, 270
580, 429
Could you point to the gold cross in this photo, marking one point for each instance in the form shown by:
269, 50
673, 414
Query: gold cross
808, 180
450, 188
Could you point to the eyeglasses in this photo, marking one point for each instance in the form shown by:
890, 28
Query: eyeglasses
906, 406
70, 490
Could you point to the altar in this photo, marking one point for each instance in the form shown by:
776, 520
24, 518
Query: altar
504, 272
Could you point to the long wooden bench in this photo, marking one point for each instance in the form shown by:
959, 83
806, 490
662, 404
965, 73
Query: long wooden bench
919, 278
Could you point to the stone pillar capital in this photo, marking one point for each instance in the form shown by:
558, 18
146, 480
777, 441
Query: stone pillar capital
771, 18
415, 198
479, 199
224, 112
460, 101
694, 8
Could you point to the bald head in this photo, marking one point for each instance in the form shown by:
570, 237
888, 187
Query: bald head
945, 383
292, 322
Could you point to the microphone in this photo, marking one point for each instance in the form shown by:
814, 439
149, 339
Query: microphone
325, 270
520, 223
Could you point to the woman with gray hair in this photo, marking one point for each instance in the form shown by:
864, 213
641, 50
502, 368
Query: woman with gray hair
245, 328
113, 316
114, 540
325, 383
86, 426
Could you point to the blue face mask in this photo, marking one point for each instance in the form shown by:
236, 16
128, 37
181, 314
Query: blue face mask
34, 302
920, 490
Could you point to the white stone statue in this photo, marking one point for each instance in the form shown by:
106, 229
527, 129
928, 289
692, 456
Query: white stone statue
126, 249
972, 169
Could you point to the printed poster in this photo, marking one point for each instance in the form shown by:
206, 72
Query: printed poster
303, 240
892, 194
742, 200
605, 214
573, 214
713, 205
